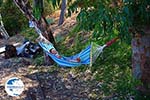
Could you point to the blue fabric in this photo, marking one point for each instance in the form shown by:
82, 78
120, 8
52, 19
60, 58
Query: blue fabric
84, 56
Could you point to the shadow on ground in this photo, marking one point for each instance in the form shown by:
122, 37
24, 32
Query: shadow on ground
48, 82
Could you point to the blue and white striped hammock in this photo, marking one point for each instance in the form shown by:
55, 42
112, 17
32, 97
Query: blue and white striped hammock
85, 56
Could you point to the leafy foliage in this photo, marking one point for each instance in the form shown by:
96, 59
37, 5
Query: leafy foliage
55, 3
110, 17
12, 17
29, 33
48, 8
38, 8
1, 2
42, 7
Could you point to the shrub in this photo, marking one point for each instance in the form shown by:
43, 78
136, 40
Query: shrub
12, 17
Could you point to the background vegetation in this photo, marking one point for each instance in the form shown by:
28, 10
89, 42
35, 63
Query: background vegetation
14, 20
105, 19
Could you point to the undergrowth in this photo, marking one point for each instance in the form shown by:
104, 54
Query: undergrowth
112, 69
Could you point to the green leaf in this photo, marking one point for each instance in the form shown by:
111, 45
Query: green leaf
126, 10
37, 13
54, 2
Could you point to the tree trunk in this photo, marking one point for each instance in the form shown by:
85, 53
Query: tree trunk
62, 14
41, 25
141, 57
49, 36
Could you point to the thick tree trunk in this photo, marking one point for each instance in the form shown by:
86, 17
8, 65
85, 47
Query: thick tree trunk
141, 57
49, 36
62, 14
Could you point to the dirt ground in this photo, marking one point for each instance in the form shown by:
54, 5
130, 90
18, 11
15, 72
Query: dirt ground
47, 82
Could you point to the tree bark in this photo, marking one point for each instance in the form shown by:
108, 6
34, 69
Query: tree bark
62, 14
141, 57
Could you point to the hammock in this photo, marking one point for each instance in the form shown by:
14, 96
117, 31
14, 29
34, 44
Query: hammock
87, 56
67, 61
